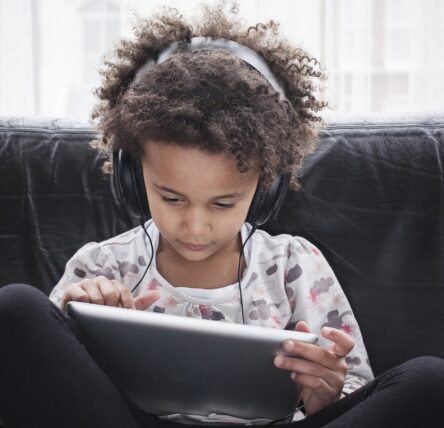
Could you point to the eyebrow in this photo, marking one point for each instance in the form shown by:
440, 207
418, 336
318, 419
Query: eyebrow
228, 195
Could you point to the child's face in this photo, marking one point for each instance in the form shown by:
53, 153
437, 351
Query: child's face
196, 198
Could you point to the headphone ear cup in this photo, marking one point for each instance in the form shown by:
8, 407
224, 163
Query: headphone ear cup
256, 205
267, 203
129, 185
141, 192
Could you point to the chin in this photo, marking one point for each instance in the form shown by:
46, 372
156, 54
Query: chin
195, 258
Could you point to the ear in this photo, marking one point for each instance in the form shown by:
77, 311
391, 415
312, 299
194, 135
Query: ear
130, 185
267, 203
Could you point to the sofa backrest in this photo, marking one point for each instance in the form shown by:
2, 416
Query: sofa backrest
372, 200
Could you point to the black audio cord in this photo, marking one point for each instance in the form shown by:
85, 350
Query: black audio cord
283, 418
253, 229
151, 259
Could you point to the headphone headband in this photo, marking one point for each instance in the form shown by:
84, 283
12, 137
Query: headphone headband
198, 43
243, 52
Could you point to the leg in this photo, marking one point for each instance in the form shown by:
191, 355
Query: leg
47, 378
409, 395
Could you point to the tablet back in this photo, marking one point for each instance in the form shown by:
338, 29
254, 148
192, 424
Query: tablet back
169, 364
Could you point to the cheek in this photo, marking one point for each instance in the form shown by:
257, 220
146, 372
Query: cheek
231, 223
241, 213
165, 226
243, 208
160, 214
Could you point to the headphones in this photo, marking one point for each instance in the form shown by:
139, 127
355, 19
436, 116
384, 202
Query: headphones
128, 174
129, 187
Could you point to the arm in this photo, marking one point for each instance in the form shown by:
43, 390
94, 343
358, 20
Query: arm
87, 263
92, 276
317, 299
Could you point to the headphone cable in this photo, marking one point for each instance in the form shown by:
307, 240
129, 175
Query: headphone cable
151, 259
253, 229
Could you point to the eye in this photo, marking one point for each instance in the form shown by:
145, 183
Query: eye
176, 201
224, 206
170, 200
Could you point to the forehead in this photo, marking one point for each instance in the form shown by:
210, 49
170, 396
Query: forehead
188, 167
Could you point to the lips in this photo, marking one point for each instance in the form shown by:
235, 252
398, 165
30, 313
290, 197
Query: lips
195, 247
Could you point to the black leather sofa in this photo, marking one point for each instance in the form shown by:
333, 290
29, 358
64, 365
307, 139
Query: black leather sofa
372, 200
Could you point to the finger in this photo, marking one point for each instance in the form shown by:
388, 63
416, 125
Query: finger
74, 293
315, 383
342, 342
126, 299
110, 293
93, 291
302, 326
146, 299
314, 353
333, 378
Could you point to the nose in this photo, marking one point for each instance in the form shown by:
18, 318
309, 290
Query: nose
196, 224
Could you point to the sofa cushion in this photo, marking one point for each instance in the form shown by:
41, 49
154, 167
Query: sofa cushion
373, 201
54, 198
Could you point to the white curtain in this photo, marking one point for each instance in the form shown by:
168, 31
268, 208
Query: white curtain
384, 55
380, 55
427, 65
17, 49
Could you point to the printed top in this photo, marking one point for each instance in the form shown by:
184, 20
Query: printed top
286, 280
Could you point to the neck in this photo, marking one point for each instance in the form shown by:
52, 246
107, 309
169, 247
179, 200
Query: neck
216, 271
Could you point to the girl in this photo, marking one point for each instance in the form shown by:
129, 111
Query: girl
208, 127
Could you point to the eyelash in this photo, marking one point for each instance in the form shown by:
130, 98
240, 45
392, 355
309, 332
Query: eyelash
173, 201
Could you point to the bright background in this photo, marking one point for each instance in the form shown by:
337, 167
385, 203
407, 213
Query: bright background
380, 55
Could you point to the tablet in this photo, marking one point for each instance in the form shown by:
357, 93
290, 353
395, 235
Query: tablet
172, 364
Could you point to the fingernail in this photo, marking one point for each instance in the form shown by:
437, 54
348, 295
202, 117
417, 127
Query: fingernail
293, 375
278, 361
326, 330
289, 344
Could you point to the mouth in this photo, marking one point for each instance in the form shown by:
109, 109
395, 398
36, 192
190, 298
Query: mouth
195, 247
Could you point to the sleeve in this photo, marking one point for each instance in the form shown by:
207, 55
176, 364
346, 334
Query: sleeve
317, 298
89, 261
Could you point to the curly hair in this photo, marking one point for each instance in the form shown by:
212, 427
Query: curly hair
210, 99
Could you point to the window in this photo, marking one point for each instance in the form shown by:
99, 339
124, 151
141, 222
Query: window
397, 29
380, 55
100, 23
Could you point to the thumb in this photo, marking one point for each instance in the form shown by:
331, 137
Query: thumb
146, 299
302, 326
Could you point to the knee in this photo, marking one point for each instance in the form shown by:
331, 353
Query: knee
425, 375
19, 302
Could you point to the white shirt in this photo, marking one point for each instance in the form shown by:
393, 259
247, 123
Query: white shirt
286, 280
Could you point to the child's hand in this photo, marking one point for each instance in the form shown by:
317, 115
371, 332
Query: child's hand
103, 291
321, 372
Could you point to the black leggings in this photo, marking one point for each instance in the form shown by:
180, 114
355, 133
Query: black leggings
48, 379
